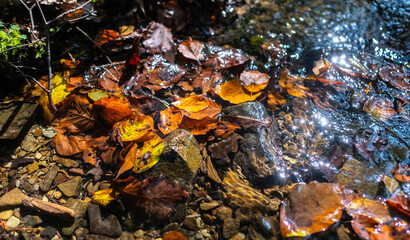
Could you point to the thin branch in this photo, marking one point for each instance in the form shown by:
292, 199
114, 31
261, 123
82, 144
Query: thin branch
30, 12
24, 45
95, 43
68, 12
28, 76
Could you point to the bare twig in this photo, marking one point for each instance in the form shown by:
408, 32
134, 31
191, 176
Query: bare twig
68, 12
50, 208
96, 44
27, 76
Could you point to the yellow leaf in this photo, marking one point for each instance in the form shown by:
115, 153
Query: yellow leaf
149, 154
198, 107
134, 128
97, 95
59, 92
233, 92
104, 197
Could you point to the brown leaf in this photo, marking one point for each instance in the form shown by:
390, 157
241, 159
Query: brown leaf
402, 172
253, 77
105, 36
293, 84
113, 109
227, 58
320, 66
232, 91
81, 114
170, 119
158, 39
400, 203
67, 144
192, 49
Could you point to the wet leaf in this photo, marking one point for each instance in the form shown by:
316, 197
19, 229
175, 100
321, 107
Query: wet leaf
312, 208
105, 36
104, 197
400, 203
379, 108
97, 95
254, 81
113, 109
402, 172
170, 119
227, 58
90, 155
81, 114
396, 76
158, 39
133, 129
174, 235
232, 91
149, 154
275, 100
198, 107
372, 209
109, 77
198, 127
67, 144
126, 30
70, 63
293, 84
191, 49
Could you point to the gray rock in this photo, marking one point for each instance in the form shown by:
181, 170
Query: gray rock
191, 224
108, 226
68, 163
205, 206
248, 109
80, 208
49, 133
11, 198
13, 222
46, 183
31, 221
180, 159
29, 143
71, 188
230, 227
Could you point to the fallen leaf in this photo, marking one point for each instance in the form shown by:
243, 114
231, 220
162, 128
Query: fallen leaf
104, 197
380, 108
293, 84
372, 209
148, 155
174, 235
254, 81
158, 39
233, 92
126, 30
198, 127
69, 63
67, 144
312, 208
133, 129
402, 172
97, 95
81, 114
113, 109
320, 66
192, 49
226, 58
396, 76
400, 203
170, 119
105, 36
90, 155
198, 107
275, 100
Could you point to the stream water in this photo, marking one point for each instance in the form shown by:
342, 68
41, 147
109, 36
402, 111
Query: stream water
366, 117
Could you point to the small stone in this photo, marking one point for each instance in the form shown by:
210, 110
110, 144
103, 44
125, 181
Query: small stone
110, 226
68, 163
6, 214
57, 194
126, 236
45, 184
21, 153
31, 221
79, 207
12, 198
223, 212
208, 206
191, 224
97, 237
230, 227
31, 180
38, 132
205, 233
139, 233
49, 133
72, 187
29, 143
237, 237
38, 156
27, 186
32, 167
13, 222
61, 177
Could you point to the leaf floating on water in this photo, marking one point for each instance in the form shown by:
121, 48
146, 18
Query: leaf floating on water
198, 107
133, 129
293, 84
170, 119
312, 208
232, 91
192, 49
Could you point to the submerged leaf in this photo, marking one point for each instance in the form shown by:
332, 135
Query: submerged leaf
232, 91
192, 49
133, 129
198, 107
104, 197
293, 84
170, 119
148, 155
105, 36
81, 114
254, 81
68, 145
113, 109
158, 39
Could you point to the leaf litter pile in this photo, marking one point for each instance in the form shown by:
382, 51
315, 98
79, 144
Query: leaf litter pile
181, 112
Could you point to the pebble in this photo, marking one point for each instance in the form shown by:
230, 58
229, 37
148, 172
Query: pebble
72, 187
31, 221
12, 198
205, 233
32, 167
68, 163
205, 206
38, 156
13, 222
21, 154
29, 143
45, 184
31, 180
230, 227
223, 212
38, 132
49, 133
6, 214
110, 226
139, 233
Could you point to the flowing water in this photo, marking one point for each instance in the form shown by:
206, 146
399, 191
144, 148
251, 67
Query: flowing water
366, 117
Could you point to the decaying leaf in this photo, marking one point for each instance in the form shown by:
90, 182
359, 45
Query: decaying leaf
293, 84
198, 107
126, 30
320, 66
198, 127
104, 197
149, 154
170, 119
275, 100
227, 58
380, 108
374, 209
81, 114
67, 144
134, 128
400, 203
158, 39
402, 172
191, 49
254, 81
312, 208
232, 91
113, 109
105, 36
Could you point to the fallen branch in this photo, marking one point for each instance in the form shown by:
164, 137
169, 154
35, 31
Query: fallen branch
50, 208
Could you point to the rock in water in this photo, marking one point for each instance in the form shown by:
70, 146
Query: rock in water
108, 226
180, 159
12, 198
72, 187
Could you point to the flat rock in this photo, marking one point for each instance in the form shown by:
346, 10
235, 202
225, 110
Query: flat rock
15, 119
205, 206
68, 163
46, 183
29, 143
223, 212
109, 226
230, 227
49, 133
11, 198
71, 188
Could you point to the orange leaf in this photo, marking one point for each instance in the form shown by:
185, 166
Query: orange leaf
293, 84
69, 64
170, 119
174, 235
254, 81
275, 100
129, 160
105, 36
379, 108
372, 209
113, 109
400, 202
133, 129
126, 30
402, 172
198, 127
320, 66
68, 145
104, 197
233, 92
198, 107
